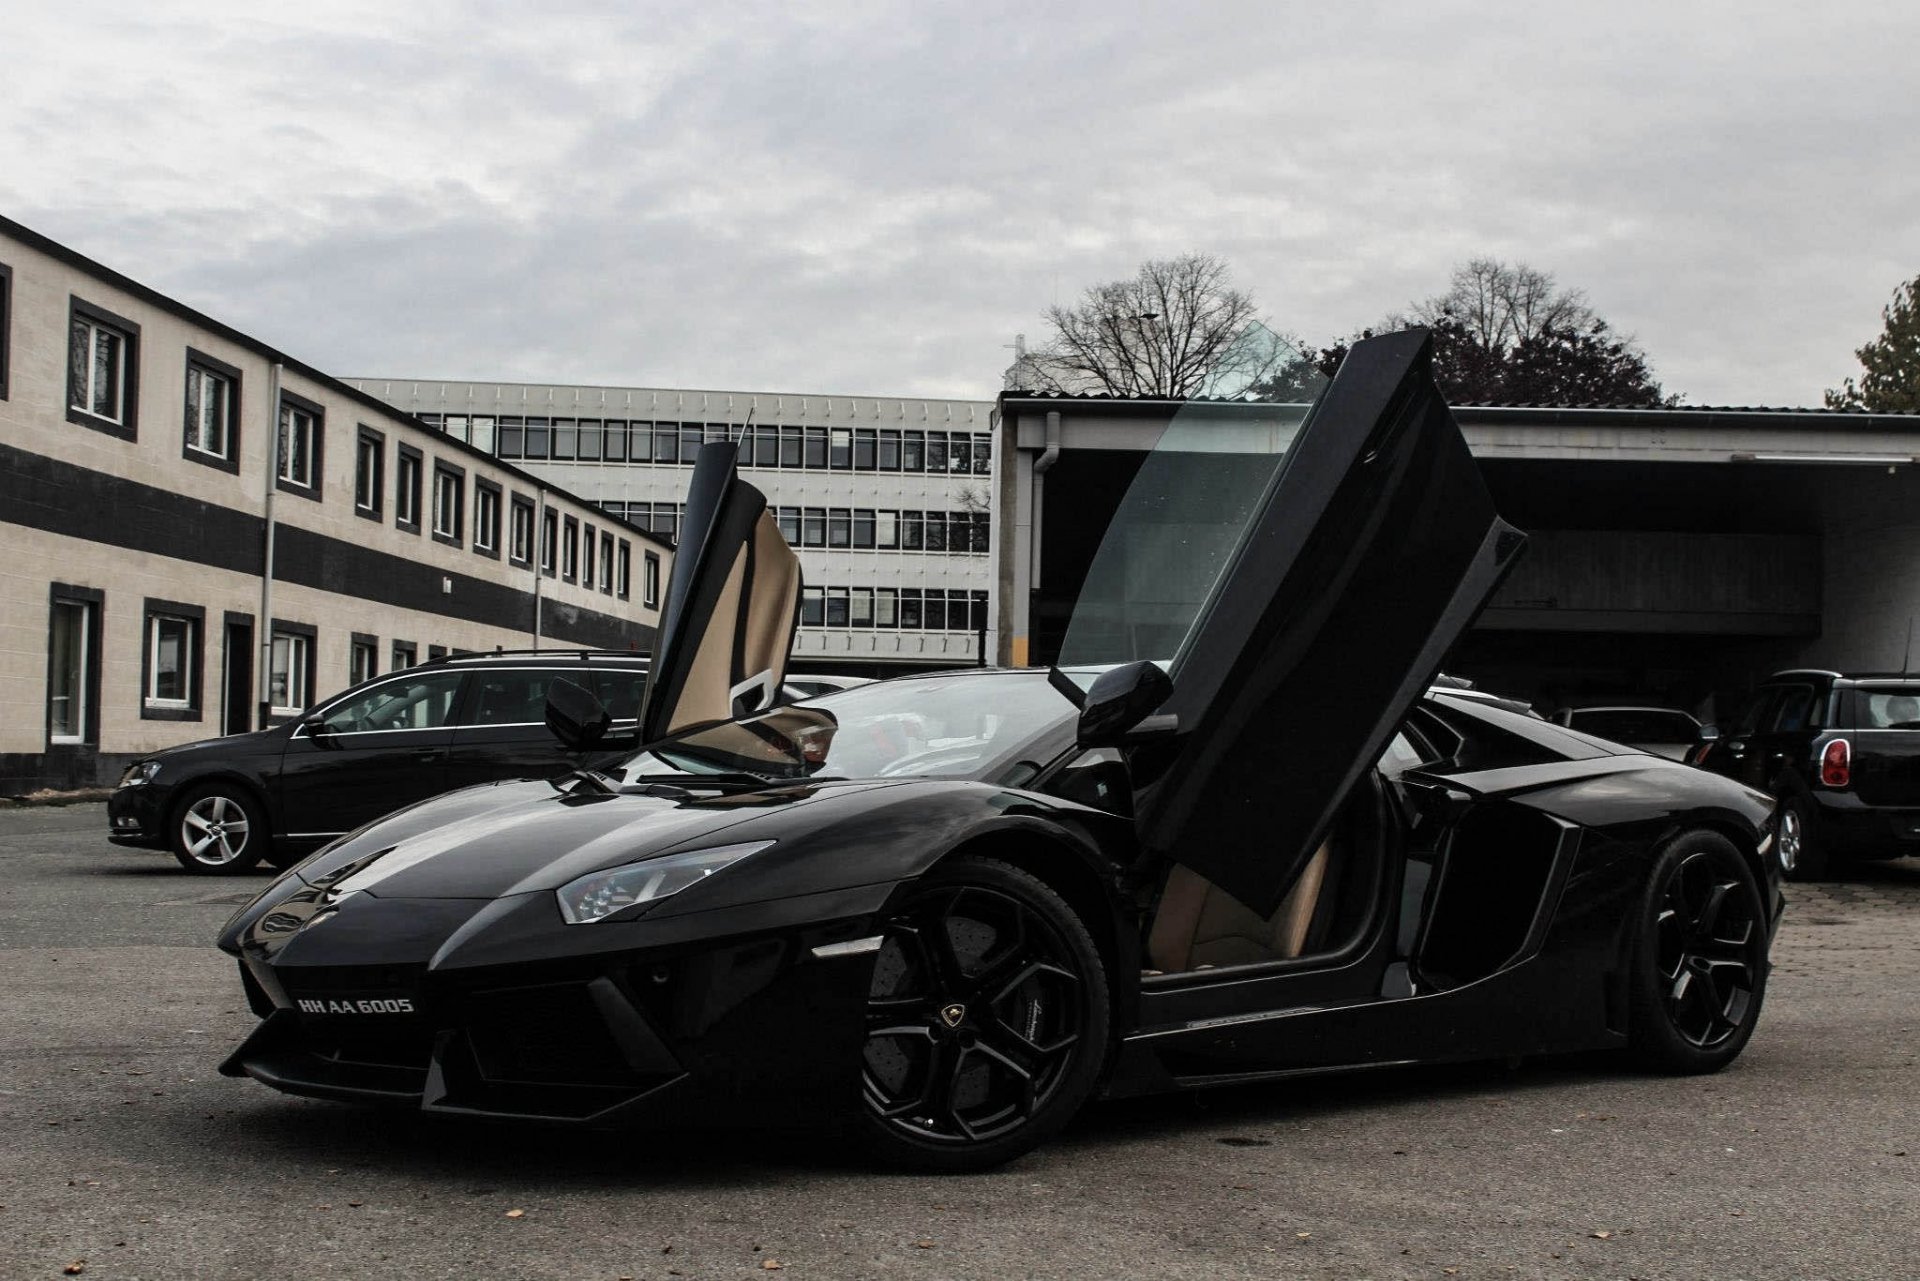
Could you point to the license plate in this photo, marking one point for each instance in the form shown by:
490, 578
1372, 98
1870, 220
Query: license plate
354, 1006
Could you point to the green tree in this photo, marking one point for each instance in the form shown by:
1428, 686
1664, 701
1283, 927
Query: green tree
1890, 381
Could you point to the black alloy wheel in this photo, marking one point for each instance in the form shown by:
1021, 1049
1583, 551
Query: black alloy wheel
987, 1020
218, 830
1700, 972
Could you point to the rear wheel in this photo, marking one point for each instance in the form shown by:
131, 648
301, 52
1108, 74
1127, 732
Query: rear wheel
987, 1020
1803, 856
218, 830
1699, 969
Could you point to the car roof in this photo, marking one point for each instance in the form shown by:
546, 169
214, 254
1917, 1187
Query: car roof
524, 657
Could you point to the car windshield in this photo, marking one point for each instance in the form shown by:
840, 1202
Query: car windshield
953, 727
1190, 505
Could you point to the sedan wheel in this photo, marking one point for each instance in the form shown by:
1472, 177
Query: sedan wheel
1702, 965
219, 830
987, 1020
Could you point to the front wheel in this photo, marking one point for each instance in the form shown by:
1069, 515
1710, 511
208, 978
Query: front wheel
219, 829
1699, 964
987, 1020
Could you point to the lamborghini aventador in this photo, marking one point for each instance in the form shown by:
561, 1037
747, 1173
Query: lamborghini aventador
1237, 835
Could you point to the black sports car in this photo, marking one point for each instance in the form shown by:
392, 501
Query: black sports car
950, 909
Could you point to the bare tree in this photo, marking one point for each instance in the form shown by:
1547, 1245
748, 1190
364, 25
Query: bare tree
1178, 329
1501, 305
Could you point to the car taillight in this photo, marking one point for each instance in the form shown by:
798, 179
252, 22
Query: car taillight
1700, 754
1836, 764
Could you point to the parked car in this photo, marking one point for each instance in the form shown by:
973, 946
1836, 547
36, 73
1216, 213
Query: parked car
1663, 731
1842, 755
223, 804
950, 909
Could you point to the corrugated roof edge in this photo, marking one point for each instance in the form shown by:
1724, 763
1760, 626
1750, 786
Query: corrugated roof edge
147, 294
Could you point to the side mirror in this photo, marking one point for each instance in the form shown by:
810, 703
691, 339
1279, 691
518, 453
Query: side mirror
1120, 700
576, 717
318, 730
1707, 734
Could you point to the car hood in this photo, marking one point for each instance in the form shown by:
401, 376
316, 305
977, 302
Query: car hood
502, 839
259, 740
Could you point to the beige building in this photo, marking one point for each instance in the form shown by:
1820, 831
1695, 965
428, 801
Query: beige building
153, 462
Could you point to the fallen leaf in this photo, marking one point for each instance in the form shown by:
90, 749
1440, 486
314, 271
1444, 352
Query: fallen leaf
516, 1214
923, 1244
1303, 1236
771, 1265
1602, 1235
75, 1268
356, 1204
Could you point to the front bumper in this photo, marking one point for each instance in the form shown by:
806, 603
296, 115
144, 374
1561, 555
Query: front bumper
138, 815
748, 1028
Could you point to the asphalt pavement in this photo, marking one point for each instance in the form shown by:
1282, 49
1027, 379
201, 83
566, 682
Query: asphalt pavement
126, 1155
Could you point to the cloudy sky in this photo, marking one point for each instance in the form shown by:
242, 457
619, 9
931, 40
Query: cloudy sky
840, 196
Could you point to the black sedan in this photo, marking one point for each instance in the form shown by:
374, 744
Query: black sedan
952, 909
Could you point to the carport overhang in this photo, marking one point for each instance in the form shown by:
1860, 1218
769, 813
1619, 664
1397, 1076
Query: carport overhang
1766, 536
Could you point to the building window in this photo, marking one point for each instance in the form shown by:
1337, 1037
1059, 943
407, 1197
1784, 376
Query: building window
103, 370
520, 548
911, 537
813, 527
369, 472
606, 566
299, 444
170, 680
650, 581
839, 527
570, 552
836, 607
788, 519
6, 323
889, 450
407, 467
886, 607
586, 563
816, 453
73, 665
363, 660
863, 449
790, 446
549, 541
486, 517
624, 587
212, 433
811, 606
913, 451
840, 448
449, 503
404, 655
290, 672
886, 527
863, 527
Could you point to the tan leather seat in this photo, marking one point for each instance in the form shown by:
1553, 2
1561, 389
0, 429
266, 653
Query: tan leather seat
1199, 924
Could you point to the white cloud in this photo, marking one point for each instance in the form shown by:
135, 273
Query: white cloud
874, 197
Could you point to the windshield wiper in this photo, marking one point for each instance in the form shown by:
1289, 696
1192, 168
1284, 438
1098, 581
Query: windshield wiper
583, 781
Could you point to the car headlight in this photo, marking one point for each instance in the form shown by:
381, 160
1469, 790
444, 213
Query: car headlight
139, 772
600, 894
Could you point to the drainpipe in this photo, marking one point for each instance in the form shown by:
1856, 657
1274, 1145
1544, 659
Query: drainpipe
1041, 465
539, 545
264, 675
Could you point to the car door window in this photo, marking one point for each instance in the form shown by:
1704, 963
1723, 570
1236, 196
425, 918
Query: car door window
1760, 711
1793, 712
410, 703
512, 697
619, 692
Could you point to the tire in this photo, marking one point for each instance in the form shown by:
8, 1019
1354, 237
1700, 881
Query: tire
1698, 970
988, 1021
1809, 858
218, 829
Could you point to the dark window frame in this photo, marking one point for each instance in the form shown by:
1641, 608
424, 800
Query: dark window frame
607, 565
378, 439
196, 659
479, 524
229, 461
569, 549
294, 401
90, 673
548, 548
442, 469
404, 453
521, 502
410, 648
360, 640
6, 326
287, 627
128, 426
